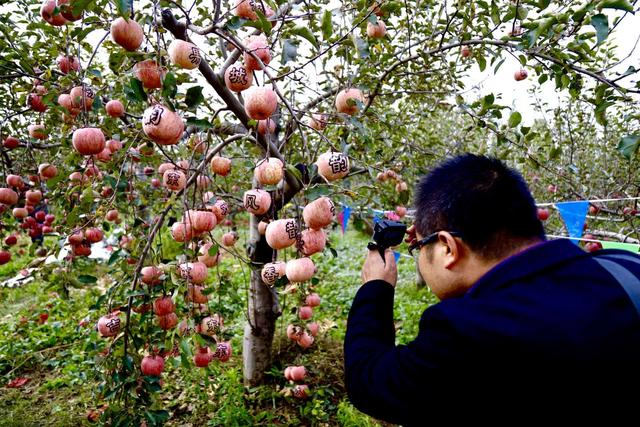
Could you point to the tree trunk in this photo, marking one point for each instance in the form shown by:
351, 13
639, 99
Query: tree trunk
263, 310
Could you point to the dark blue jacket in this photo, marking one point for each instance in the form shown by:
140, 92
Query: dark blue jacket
542, 330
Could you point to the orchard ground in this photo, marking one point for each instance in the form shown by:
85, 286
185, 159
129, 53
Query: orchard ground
62, 362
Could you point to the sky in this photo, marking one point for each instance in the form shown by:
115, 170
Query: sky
516, 94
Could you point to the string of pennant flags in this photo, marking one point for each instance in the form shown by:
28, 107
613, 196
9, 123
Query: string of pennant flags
573, 214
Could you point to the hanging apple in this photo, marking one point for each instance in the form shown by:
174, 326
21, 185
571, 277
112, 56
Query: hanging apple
184, 54
258, 46
333, 165
162, 125
300, 270
377, 30
127, 33
149, 73
282, 233
257, 201
260, 102
269, 171
319, 213
220, 165
237, 78
88, 141
273, 271
348, 101
114, 108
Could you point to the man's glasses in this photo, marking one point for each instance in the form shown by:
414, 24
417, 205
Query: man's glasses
429, 239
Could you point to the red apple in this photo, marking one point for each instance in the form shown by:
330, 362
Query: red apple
114, 108
152, 365
68, 63
184, 54
543, 214
377, 30
520, 75
50, 12
127, 33
238, 78
347, 101
260, 102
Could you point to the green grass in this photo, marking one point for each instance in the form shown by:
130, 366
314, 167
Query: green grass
60, 357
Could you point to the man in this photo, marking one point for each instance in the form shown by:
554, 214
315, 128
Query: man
523, 323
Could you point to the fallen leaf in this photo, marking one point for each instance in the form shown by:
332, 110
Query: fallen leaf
18, 382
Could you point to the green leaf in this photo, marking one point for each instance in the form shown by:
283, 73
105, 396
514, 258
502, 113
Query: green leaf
327, 25
201, 123
265, 24
87, 279
289, 51
601, 23
294, 171
135, 91
630, 70
114, 257
80, 5
235, 23
482, 62
123, 7
116, 59
213, 250
185, 348
97, 104
305, 33
362, 46
495, 14
194, 96
629, 145
515, 119
169, 86
543, 4
488, 100
616, 4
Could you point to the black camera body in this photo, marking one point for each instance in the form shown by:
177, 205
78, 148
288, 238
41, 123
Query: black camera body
387, 234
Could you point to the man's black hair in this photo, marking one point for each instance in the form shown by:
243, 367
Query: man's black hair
481, 198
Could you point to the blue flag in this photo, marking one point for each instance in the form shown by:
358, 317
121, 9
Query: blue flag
377, 215
346, 214
574, 215
396, 255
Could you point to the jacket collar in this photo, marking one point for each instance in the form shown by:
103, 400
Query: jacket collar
530, 261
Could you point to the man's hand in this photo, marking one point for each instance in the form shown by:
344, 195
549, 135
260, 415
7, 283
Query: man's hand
411, 235
375, 268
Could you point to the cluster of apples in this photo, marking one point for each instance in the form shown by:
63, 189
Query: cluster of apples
81, 240
304, 336
284, 233
29, 206
297, 373
391, 175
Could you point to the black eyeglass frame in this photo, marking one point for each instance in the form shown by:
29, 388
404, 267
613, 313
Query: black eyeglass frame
430, 239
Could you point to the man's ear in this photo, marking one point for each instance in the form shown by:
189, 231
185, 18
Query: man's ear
451, 249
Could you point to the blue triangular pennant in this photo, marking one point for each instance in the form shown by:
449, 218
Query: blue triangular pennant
574, 215
346, 214
377, 215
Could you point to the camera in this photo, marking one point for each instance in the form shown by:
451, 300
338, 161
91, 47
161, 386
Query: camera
387, 234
